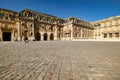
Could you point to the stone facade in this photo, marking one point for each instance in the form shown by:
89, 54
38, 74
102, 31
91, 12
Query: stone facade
108, 28
15, 26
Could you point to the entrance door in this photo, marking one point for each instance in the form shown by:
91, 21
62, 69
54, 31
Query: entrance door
6, 36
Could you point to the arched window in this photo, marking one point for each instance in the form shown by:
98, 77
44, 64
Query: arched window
45, 36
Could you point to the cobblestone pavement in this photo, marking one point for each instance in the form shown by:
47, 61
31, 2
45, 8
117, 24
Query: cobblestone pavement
60, 60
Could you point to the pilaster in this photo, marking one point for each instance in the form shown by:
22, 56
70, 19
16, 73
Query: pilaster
18, 25
33, 31
71, 31
48, 38
55, 32
42, 36
0, 35
107, 35
12, 35
113, 35
81, 33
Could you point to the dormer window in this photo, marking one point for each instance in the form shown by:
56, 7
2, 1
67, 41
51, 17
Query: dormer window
12, 17
48, 19
54, 21
37, 17
34, 15
62, 21
20, 14
25, 14
66, 21
77, 21
29, 14
97, 25
71, 20
1, 15
41, 17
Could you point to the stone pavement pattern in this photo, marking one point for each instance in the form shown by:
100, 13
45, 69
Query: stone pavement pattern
60, 60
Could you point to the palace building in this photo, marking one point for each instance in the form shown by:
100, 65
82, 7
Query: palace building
108, 28
15, 26
37, 26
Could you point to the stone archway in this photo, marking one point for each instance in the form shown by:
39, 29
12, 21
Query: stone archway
45, 36
37, 36
6, 36
51, 37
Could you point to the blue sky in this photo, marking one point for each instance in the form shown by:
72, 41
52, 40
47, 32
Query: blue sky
88, 10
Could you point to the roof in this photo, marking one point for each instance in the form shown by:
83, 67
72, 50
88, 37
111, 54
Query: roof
8, 10
39, 12
109, 18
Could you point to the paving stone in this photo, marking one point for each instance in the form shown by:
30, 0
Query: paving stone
60, 60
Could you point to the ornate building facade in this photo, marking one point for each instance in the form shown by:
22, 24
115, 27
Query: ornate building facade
108, 28
15, 26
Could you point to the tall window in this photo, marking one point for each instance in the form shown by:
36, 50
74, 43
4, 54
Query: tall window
51, 28
105, 35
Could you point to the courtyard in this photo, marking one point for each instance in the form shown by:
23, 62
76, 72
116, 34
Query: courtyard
60, 60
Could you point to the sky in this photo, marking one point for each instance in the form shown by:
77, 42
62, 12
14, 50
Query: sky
88, 10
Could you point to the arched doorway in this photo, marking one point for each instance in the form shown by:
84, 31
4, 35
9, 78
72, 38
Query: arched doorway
37, 37
6, 36
45, 36
51, 37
